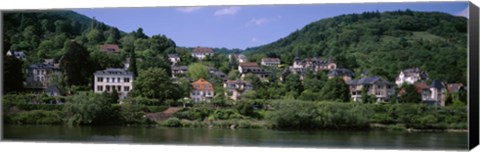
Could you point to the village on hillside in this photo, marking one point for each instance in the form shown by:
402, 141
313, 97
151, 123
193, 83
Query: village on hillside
39, 76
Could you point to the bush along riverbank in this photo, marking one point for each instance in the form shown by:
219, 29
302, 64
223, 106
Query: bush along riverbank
98, 109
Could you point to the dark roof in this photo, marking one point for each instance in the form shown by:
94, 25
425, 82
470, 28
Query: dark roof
45, 65
368, 81
179, 68
202, 50
114, 71
52, 88
110, 48
437, 84
341, 72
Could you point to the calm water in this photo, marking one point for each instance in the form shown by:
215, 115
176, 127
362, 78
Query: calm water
239, 137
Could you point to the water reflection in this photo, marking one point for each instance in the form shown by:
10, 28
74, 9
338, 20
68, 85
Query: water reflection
239, 137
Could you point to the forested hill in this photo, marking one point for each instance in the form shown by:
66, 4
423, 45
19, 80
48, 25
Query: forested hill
42, 33
381, 43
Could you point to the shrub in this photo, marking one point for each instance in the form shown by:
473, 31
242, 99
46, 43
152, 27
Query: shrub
35, 117
171, 122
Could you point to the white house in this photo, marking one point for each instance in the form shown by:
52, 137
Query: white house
113, 79
410, 76
39, 74
235, 88
17, 54
270, 61
239, 57
202, 52
202, 90
315, 64
174, 58
376, 86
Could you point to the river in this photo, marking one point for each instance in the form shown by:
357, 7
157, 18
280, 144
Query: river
379, 139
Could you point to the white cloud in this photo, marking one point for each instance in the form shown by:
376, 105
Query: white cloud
463, 13
260, 21
254, 39
227, 11
189, 9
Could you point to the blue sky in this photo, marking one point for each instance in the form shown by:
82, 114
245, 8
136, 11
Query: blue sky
241, 26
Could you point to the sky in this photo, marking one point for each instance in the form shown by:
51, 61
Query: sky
242, 26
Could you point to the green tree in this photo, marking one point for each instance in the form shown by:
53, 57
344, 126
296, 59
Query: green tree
197, 71
294, 84
88, 108
76, 65
13, 75
411, 95
335, 89
233, 75
153, 83
366, 98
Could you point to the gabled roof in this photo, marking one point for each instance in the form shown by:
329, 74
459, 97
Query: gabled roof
454, 87
110, 48
369, 81
53, 88
437, 84
341, 72
201, 84
202, 50
185, 68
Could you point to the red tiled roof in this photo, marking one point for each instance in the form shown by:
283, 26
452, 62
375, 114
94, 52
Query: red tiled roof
419, 86
110, 48
248, 64
201, 84
202, 50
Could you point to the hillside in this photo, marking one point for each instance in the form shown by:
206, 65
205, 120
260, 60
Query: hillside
42, 33
381, 43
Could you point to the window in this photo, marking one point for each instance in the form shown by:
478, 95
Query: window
99, 88
126, 88
113, 80
118, 80
119, 88
100, 79
206, 86
107, 87
126, 79
108, 79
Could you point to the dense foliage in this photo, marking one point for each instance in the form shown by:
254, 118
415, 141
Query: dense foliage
382, 43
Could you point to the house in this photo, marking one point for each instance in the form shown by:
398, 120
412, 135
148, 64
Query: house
202, 90
290, 70
253, 68
17, 54
410, 76
345, 74
235, 88
270, 62
110, 48
39, 74
376, 86
113, 79
217, 74
240, 58
437, 90
179, 71
316, 64
53, 91
202, 52
454, 87
174, 58
423, 89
